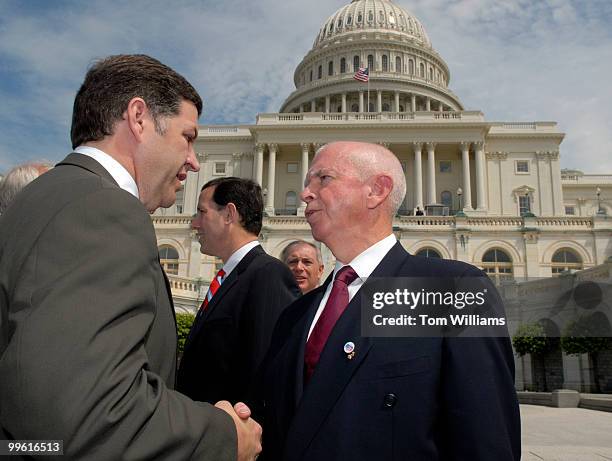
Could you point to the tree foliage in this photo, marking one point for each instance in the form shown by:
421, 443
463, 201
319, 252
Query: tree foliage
584, 335
530, 338
184, 321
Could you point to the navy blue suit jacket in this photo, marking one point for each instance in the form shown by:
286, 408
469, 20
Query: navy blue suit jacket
398, 398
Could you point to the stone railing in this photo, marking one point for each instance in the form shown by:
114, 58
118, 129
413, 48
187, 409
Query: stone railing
494, 221
587, 179
564, 221
184, 284
171, 220
380, 117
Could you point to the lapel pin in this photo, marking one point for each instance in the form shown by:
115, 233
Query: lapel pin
349, 350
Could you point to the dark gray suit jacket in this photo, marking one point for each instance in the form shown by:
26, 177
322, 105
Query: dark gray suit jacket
87, 328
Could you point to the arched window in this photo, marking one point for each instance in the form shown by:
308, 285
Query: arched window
349, 20
497, 264
565, 259
311, 75
330, 68
355, 108
446, 197
291, 200
331, 28
428, 253
422, 70
343, 65
370, 62
385, 63
430, 73
320, 72
339, 23
359, 17
370, 16
355, 63
411, 67
386, 107
381, 16
169, 258
398, 64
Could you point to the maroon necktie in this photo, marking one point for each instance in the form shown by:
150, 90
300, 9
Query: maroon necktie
336, 303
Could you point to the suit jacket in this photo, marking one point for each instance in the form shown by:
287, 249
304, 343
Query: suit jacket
88, 334
398, 398
228, 341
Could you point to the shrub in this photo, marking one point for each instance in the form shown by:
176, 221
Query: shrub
530, 338
184, 321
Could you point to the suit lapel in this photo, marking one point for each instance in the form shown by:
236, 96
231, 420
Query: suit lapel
334, 370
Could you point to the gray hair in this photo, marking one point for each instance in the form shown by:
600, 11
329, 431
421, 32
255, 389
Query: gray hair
374, 159
285, 253
17, 178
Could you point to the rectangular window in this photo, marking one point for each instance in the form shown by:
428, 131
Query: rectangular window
570, 210
219, 168
522, 166
524, 204
292, 167
445, 166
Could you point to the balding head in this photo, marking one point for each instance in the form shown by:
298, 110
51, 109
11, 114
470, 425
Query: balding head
353, 191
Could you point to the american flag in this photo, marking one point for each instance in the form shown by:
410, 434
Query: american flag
362, 74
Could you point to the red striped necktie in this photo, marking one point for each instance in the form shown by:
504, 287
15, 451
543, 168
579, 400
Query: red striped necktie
334, 307
214, 286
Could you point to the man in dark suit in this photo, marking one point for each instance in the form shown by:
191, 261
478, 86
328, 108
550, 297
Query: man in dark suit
329, 393
88, 334
233, 327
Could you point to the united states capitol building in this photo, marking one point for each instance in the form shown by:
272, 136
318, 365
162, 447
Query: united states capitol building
493, 192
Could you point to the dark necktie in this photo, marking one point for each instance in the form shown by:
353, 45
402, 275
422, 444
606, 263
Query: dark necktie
334, 307
214, 286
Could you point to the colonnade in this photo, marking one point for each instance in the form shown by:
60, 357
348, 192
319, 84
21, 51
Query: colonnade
418, 149
411, 102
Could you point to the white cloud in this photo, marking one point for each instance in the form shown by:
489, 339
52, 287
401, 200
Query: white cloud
512, 59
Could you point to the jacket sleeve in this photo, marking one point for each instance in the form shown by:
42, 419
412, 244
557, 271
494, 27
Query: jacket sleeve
81, 365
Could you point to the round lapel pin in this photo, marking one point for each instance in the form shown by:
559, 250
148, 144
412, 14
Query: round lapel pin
349, 350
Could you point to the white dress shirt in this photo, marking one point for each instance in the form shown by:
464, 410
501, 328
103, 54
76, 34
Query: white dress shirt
363, 264
114, 168
237, 256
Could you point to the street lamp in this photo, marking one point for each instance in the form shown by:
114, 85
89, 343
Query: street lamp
600, 211
460, 195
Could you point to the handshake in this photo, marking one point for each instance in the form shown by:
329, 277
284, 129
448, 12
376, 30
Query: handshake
247, 430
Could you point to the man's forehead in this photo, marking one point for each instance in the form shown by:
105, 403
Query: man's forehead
302, 248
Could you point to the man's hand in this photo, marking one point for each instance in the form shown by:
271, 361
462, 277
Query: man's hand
249, 432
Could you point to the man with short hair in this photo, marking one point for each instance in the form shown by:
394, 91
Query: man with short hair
87, 328
232, 330
17, 178
330, 393
305, 262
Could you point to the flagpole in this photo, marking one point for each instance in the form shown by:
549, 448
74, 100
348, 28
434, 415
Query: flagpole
368, 91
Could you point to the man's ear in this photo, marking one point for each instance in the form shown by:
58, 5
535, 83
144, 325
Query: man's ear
380, 188
136, 117
231, 214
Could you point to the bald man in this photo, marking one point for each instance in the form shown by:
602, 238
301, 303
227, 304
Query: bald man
305, 262
330, 393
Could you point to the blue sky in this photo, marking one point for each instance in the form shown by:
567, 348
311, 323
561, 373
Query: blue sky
515, 60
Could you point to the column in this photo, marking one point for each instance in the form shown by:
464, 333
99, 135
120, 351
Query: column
327, 103
237, 158
301, 108
361, 101
304, 171
343, 102
259, 148
418, 176
396, 108
313, 105
428, 104
413, 102
467, 184
271, 178
379, 101
440, 106
481, 200
431, 173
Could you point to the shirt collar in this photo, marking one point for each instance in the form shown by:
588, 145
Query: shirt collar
237, 256
114, 168
366, 261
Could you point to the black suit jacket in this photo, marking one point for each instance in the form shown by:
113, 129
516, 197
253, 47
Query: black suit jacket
398, 398
227, 343
87, 329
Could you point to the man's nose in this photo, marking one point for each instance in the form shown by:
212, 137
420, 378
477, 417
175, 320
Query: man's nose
192, 161
306, 195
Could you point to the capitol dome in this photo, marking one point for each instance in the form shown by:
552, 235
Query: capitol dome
406, 74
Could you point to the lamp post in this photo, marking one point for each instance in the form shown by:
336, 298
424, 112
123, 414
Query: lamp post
600, 211
460, 195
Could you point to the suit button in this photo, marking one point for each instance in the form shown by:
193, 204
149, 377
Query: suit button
390, 400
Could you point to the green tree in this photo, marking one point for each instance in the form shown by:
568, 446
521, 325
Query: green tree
585, 335
530, 338
184, 320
